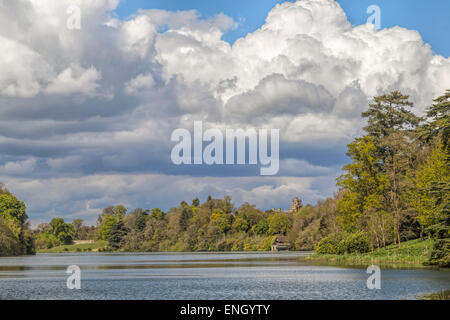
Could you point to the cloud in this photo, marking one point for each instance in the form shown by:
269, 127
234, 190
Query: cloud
68, 199
75, 79
87, 114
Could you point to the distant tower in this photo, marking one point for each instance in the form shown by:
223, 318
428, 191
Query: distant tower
296, 205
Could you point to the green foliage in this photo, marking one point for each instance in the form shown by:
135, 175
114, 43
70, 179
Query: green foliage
438, 126
185, 215
344, 243
364, 183
15, 237
62, 231
279, 223
46, 240
141, 220
389, 113
117, 234
13, 210
261, 228
412, 253
85, 247
106, 226
240, 224
196, 202
221, 220
434, 170
9, 243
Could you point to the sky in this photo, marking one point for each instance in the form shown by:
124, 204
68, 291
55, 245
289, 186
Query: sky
430, 18
87, 114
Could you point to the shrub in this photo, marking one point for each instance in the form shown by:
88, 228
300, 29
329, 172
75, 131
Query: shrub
441, 253
328, 245
356, 242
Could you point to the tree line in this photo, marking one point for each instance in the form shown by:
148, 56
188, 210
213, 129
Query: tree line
395, 188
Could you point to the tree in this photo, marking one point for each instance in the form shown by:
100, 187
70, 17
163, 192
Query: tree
222, 220
401, 149
78, 228
12, 209
157, 214
279, 223
389, 114
363, 183
441, 229
434, 170
106, 226
64, 232
240, 224
196, 202
9, 243
261, 228
117, 234
141, 220
439, 122
14, 232
185, 215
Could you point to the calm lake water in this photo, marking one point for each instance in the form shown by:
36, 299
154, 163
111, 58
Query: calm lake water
204, 276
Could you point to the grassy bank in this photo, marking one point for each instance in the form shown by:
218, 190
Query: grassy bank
85, 247
413, 253
441, 295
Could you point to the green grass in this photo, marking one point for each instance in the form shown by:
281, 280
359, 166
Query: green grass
77, 247
413, 253
441, 295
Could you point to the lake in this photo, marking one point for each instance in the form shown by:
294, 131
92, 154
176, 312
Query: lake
190, 276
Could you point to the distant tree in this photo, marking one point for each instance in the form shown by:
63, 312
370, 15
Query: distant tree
438, 125
240, 224
106, 226
117, 234
279, 223
221, 220
185, 215
64, 232
261, 228
78, 228
141, 220
196, 202
12, 209
157, 214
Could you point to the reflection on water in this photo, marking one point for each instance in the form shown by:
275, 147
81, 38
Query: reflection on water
203, 276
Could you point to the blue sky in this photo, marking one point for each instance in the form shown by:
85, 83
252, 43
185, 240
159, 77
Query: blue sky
411, 14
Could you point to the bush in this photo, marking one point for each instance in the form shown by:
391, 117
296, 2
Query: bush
328, 245
441, 253
356, 242
9, 244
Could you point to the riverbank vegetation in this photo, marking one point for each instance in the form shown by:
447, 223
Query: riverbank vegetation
441, 295
397, 186
413, 253
96, 246
395, 189
15, 234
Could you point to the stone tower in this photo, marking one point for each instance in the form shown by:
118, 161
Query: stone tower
296, 205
